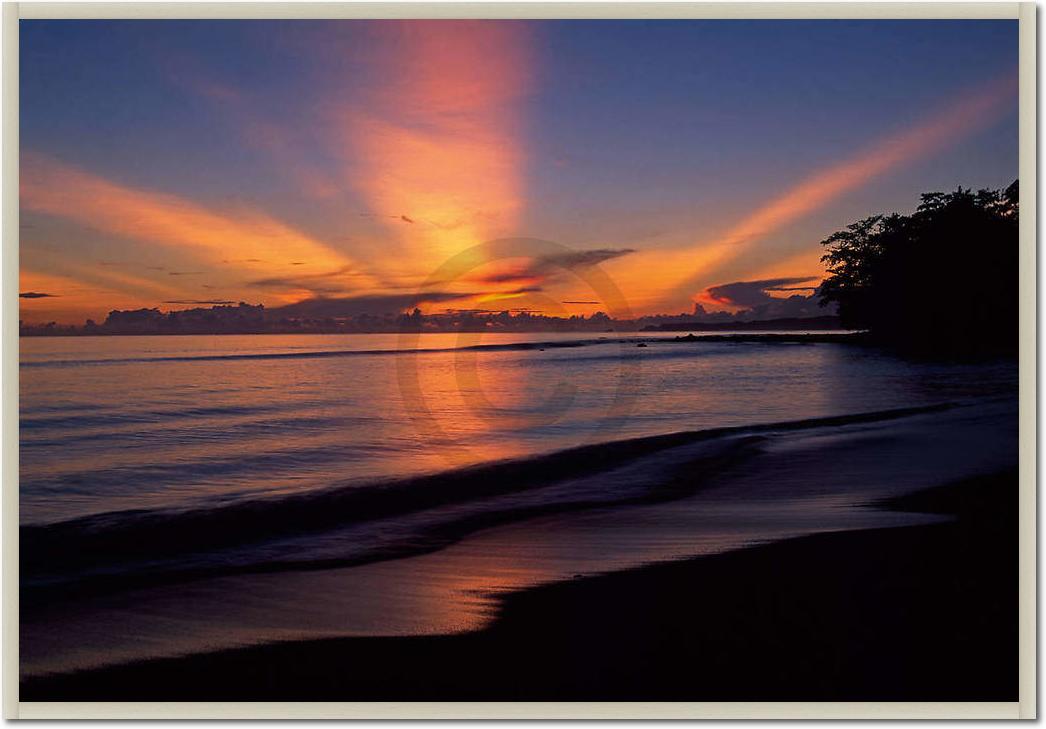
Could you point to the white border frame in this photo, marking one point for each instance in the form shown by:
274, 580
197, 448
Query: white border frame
1025, 708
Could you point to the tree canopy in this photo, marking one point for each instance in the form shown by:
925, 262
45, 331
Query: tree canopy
941, 281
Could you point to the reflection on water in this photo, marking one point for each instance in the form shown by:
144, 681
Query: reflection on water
189, 432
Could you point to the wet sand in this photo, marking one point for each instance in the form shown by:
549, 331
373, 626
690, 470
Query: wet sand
925, 613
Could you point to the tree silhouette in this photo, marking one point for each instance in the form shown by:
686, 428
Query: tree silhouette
939, 282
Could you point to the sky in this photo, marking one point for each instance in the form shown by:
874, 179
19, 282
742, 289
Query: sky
367, 164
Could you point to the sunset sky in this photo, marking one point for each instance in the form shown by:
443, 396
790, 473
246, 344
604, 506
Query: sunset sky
173, 164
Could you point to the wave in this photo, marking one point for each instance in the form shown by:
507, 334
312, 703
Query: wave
331, 353
778, 338
351, 524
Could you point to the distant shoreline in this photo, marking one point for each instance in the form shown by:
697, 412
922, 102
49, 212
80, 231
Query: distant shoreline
789, 324
842, 336
712, 334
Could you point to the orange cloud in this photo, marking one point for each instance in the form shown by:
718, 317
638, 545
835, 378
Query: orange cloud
83, 293
648, 276
252, 239
436, 151
971, 112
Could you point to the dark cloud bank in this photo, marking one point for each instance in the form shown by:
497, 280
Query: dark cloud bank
757, 303
398, 312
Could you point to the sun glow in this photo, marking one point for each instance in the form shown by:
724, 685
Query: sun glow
416, 149
436, 151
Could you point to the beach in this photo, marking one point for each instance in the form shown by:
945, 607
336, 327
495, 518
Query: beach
923, 613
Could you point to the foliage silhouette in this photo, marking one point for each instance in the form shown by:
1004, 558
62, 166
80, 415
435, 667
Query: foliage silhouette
939, 282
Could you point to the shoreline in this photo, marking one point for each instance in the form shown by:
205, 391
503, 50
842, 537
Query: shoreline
611, 333
904, 613
99, 539
843, 336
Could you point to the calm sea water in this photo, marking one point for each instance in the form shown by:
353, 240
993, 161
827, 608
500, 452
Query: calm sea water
130, 423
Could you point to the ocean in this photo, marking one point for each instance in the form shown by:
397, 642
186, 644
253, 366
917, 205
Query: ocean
189, 493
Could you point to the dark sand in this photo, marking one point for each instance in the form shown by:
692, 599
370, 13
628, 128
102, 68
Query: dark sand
924, 613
